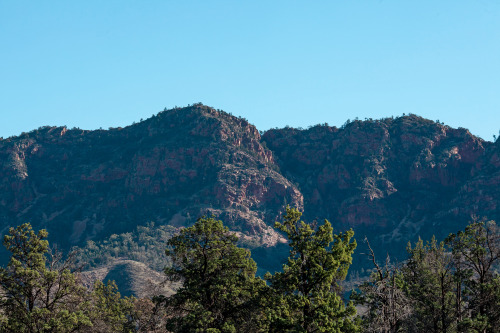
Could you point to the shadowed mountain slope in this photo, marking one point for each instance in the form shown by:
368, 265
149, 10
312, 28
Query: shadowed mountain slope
391, 179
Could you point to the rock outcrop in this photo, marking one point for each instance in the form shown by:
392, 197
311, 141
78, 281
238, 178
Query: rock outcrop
171, 169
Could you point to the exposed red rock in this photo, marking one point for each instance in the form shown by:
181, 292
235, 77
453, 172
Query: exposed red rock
391, 179
171, 168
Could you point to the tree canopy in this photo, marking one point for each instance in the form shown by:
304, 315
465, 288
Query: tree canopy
447, 287
442, 287
304, 297
219, 287
39, 295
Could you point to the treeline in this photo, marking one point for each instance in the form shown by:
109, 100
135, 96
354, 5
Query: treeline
452, 286
449, 286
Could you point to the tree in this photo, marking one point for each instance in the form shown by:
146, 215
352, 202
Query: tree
219, 291
39, 292
476, 252
383, 296
110, 312
452, 286
304, 297
430, 286
148, 316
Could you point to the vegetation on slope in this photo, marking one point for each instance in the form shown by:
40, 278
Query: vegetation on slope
145, 244
450, 286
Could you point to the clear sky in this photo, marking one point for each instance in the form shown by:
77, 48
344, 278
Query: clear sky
94, 63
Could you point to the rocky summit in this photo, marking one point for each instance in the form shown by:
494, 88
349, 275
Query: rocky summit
391, 179
171, 169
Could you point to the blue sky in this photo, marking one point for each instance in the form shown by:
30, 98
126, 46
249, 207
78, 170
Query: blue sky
94, 64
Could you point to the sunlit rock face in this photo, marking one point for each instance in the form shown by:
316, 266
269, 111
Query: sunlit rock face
171, 168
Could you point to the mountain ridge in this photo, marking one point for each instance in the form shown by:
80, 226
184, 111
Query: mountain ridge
394, 179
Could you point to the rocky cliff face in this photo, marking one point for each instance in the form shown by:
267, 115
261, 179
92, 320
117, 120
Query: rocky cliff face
171, 168
391, 179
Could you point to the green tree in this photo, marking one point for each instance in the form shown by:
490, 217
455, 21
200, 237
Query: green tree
110, 312
219, 291
430, 287
476, 254
304, 297
39, 292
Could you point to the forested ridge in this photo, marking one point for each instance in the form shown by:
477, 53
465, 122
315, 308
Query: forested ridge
450, 285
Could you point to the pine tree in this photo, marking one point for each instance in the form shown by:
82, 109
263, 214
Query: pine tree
304, 297
430, 286
109, 311
39, 295
476, 254
219, 291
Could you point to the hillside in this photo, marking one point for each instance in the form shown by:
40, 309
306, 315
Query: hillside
131, 277
390, 179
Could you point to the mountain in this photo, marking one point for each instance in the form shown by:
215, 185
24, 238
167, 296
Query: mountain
171, 169
392, 179
384, 172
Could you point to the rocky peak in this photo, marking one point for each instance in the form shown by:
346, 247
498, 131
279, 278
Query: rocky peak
170, 168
